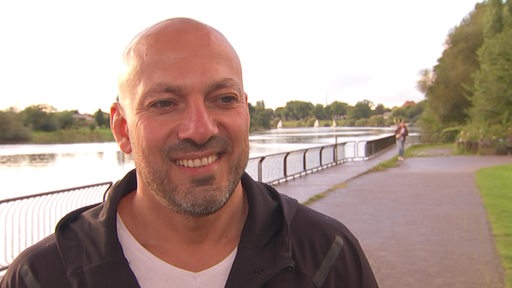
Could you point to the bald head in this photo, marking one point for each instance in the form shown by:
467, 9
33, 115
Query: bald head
181, 101
176, 39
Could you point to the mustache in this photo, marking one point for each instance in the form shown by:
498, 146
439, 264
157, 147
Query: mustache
215, 143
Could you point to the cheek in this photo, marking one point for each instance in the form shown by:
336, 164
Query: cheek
151, 134
143, 136
242, 118
240, 126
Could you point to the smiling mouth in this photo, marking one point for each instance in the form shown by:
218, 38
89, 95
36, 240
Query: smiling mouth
197, 163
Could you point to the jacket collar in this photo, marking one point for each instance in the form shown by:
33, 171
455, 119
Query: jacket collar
90, 249
264, 249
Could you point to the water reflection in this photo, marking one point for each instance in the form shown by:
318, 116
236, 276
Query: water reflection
29, 169
38, 160
123, 159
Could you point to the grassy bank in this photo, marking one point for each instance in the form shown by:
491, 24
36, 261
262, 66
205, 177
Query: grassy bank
416, 150
495, 186
81, 135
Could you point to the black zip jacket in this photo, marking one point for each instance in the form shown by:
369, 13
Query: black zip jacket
283, 244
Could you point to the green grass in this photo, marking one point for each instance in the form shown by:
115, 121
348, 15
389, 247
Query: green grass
495, 186
425, 150
322, 195
391, 163
417, 150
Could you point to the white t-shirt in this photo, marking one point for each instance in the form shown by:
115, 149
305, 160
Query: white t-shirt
152, 272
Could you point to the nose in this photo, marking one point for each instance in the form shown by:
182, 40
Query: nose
198, 124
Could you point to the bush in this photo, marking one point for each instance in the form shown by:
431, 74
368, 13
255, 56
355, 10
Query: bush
450, 135
362, 122
12, 129
489, 139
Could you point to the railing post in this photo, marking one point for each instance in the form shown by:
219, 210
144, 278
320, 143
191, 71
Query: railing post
304, 166
321, 154
285, 165
260, 169
335, 150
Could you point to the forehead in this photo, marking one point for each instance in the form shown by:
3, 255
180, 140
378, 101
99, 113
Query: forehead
179, 47
181, 37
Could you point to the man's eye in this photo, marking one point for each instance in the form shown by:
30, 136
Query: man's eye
227, 99
162, 104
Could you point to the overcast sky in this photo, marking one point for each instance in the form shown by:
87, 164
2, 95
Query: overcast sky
65, 53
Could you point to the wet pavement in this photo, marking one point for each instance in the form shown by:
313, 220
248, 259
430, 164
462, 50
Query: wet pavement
421, 224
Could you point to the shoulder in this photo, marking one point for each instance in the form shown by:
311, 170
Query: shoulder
304, 223
322, 248
326, 249
44, 261
312, 226
310, 229
40, 264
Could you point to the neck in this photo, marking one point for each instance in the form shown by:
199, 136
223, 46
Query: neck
191, 243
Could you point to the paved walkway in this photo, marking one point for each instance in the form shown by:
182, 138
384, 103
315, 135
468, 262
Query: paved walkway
421, 224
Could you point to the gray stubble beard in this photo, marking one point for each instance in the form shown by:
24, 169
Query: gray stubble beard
201, 198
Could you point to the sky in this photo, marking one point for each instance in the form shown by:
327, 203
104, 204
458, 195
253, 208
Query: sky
66, 53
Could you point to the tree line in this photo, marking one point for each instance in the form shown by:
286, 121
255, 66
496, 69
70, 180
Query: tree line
20, 126
363, 113
469, 91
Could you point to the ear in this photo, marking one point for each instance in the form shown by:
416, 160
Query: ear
119, 127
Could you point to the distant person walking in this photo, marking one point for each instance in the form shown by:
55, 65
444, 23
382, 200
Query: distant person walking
401, 133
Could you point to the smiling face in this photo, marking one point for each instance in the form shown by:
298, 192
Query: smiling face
183, 115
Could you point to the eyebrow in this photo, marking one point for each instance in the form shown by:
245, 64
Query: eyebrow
165, 88
224, 83
178, 90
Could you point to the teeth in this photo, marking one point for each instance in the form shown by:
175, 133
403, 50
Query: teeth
196, 163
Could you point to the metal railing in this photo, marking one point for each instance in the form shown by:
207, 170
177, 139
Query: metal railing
279, 167
28, 219
373, 147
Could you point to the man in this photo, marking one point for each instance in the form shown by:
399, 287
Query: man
188, 215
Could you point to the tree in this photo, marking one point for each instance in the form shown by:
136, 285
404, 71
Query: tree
494, 18
101, 119
11, 128
40, 118
298, 110
426, 80
362, 109
337, 109
319, 112
409, 113
449, 96
491, 112
260, 117
448, 87
377, 121
280, 112
379, 109
65, 119
415, 111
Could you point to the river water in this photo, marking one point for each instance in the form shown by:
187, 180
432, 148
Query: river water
30, 169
